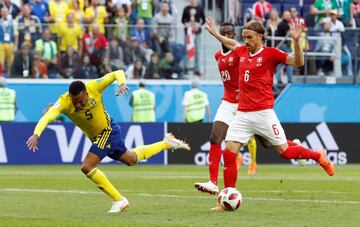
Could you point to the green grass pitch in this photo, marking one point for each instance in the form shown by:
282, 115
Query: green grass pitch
278, 195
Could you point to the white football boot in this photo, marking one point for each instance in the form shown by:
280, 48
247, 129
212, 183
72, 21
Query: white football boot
175, 143
119, 206
208, 187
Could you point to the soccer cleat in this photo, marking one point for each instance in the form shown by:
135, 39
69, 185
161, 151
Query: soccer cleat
326, 164
239, 161
176, 143
217, 208
208, 187
119, 206
252, 169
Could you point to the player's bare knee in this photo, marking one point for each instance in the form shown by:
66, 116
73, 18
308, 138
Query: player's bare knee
132, 159
215, 139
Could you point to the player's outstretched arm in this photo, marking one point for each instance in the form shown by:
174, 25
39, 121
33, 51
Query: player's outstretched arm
211, 27
51, 114
297, 59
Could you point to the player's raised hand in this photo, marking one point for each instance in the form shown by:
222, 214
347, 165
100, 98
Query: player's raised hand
32, 143
211, 25
296, 29
123, 89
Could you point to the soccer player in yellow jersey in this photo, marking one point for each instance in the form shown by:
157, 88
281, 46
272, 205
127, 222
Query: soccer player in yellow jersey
83, 105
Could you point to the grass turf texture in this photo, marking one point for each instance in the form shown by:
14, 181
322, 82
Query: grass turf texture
278, 195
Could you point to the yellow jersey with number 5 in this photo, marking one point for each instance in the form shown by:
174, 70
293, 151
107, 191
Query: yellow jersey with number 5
93, 118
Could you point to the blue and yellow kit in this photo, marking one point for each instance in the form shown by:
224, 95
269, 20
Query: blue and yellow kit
93, 119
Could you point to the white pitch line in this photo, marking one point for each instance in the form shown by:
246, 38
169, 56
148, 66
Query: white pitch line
177, 196
271, 191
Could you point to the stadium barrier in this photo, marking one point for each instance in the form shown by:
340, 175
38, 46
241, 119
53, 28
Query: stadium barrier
63, 143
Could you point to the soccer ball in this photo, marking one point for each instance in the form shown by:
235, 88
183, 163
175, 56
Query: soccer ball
230, 199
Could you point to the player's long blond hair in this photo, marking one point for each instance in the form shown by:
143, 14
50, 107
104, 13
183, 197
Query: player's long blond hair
257, 27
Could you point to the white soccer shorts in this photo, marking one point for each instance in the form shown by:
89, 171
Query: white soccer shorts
263, 123
226, 112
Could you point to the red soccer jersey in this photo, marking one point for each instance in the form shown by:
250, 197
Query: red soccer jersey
228, 64
256, 73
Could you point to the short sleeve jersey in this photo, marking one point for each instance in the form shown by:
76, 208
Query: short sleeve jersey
228, 64
256, 73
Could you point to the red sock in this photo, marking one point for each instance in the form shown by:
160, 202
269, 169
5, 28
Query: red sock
230, 172
214, 161
299, 152
291, 143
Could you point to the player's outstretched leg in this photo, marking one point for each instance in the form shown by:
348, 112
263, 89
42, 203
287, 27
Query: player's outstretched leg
169, 142
252, 151
300, 152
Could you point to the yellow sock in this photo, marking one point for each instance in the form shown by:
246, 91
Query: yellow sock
252, 149
101, 181
147, 151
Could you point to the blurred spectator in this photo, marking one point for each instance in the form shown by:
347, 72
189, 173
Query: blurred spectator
136, 70
273, 22
96, 14
141, 33
40, 8
326, 46
69, 62
8, 41
70, 35
95, 45
12, 8
294, 19
234, 11
38, 69
28, 27
172, 8
195, 103
163, 31
116, 54
106, 67
8, 107
120, 29
355, 13
78, 12
321, 9
145, 10
284, 45
338, 26
143, 103
86, 69
133, 52
261, 10
344, 12
22, 62
58, 11
125, 4
79, 4
169, 69
152, 69
193, 17
48, 52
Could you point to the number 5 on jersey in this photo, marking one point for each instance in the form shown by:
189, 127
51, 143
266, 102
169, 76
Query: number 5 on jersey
88, 115
247, 75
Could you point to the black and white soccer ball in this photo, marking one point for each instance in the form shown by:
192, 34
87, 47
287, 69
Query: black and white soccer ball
230, 199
